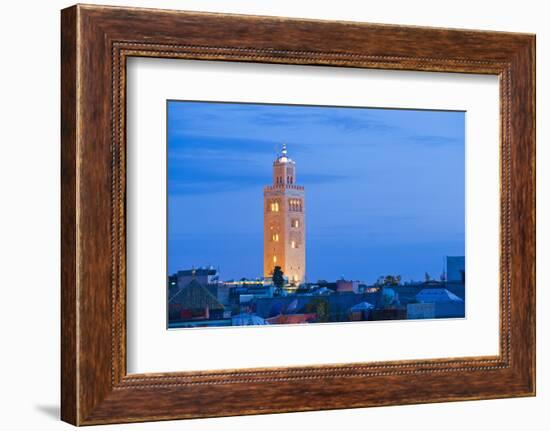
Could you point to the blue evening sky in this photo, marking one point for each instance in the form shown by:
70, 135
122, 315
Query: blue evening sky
384, 188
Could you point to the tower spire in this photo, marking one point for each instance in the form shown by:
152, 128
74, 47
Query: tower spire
282, 157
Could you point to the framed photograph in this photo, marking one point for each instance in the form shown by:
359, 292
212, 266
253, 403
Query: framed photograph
329, 214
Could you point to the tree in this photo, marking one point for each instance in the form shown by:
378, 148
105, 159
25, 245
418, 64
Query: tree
392, 280
278, 279
319, 306
388, 280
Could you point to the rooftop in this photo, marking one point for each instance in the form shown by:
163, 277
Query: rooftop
197, 272
195, 296
437, 295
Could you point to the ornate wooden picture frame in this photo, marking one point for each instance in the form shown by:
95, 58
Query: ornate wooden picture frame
96, 41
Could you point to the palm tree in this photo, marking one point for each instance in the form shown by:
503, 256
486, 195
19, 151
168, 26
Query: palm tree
278, 280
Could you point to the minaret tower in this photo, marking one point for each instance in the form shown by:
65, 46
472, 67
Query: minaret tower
284, 222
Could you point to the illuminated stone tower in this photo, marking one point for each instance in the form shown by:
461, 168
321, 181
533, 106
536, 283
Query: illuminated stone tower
284, 222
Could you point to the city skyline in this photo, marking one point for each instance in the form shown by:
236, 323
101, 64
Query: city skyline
385, 188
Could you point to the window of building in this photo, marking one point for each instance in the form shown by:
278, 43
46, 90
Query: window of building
274, 206
275, 237
293, 244
274, 259
295, 223
295, 204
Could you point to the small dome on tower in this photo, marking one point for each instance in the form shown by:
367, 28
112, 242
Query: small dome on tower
283, 157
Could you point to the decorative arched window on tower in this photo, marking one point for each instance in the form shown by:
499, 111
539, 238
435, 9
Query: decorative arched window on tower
295, 205
274, 206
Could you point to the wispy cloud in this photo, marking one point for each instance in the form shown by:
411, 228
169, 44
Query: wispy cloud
434, 140
221, 119
187, 188
320, 178
189, 146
